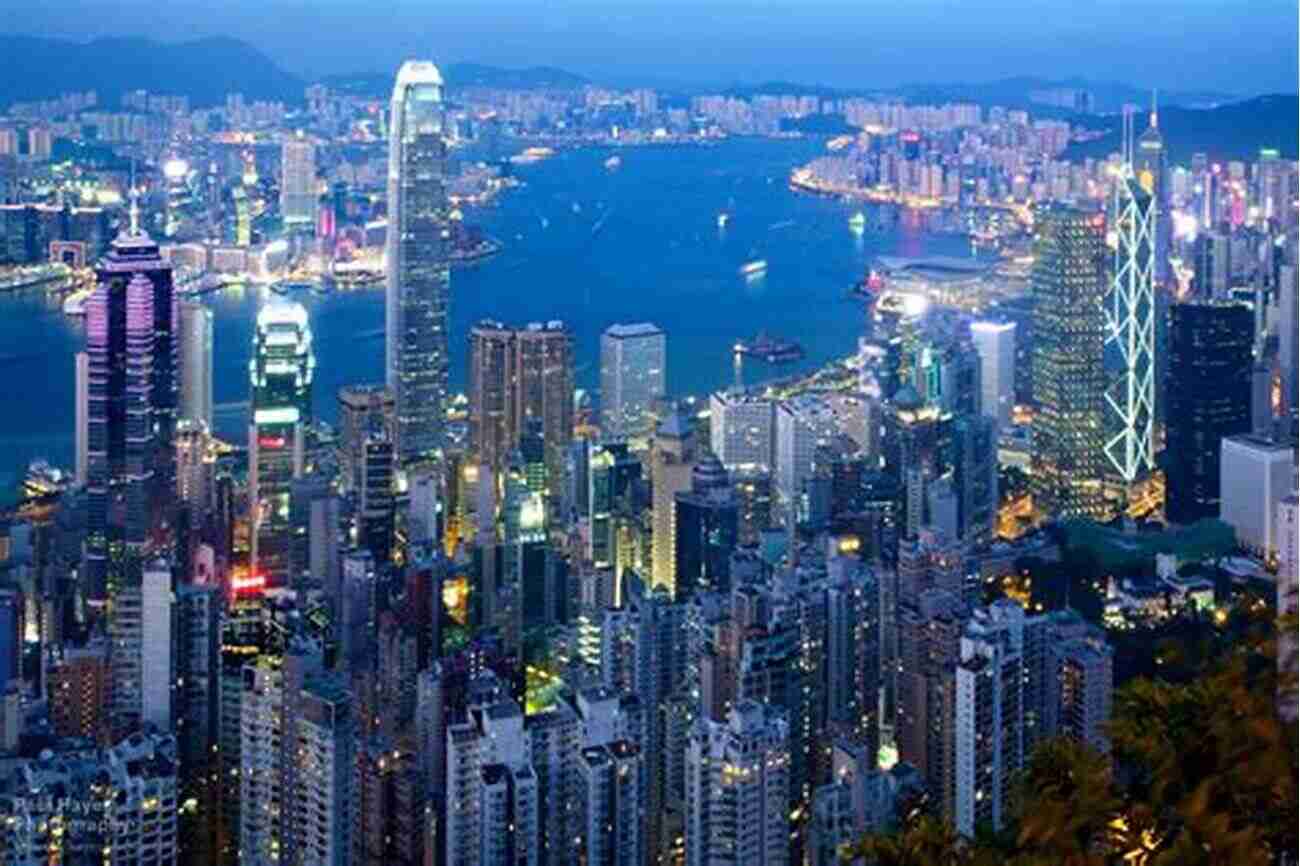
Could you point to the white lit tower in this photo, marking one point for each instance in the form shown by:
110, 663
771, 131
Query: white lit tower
419, 282
1130, 310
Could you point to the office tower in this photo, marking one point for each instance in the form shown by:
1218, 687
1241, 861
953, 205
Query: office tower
157, 636
11, 637
80, 682
611, 473
672, 457
1212, 265
419, 281
975, 477
988, 735
706, 524
633, 364
742, 430
1129, 410
310, 494
1286, 529
354, 611
424, 515
1068, 284
518, 375
363, 410
1209, 395
376, 507
81, 411
753, 489
1255, 473
195, 465
126, 638
609, 792
913, 450
738, 777
195, 338
1149, 169
280, 374
946, 373
298, 193
996, 344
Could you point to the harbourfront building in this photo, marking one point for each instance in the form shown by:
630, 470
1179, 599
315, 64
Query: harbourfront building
298, 192
280, 374
419, 282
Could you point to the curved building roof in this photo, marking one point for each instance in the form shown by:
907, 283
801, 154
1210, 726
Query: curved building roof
418, 72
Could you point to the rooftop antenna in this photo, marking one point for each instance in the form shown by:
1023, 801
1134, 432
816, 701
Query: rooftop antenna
1154, 110
134, 209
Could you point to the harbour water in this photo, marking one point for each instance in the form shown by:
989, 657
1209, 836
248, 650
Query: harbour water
583, 244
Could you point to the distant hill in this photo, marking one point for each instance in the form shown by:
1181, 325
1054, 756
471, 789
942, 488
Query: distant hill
1234, 131
378, 85
205, 70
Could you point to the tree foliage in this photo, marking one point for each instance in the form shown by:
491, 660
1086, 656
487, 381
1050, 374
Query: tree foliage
1202, 773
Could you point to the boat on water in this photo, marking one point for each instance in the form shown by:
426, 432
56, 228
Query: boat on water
769, 348
857, 222
531, 155
754, 268
723, 217
613, 162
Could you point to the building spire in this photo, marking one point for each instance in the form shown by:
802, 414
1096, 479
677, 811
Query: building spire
134, 210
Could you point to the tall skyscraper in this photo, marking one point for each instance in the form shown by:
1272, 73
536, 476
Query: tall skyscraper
1149, 167
671, 460
1286, 529
1209, 399
1288, 347
419, 281
738, 780
298, 192
1068, 284
996, 344
1130, 338
81, 411
131, 403
195, 340
363, 410
280, 373
742, 430
706, 523
633, 362
518, 376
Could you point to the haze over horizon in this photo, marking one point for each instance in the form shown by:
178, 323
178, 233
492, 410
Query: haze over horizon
1233, 47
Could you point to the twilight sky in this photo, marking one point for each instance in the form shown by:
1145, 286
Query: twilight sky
1239, 46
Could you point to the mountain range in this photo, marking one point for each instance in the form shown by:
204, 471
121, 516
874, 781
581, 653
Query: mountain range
206, 70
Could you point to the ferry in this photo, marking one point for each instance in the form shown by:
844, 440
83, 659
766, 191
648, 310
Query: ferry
722, 219
857, 222
613, 162
531, 155
773, 350
754, 268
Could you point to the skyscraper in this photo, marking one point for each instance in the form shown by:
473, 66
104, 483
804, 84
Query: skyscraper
632, 377
1255, 473
419, 281
131, 403
195, 340
1149, 166
671, 460
81, 411
1068, 283
1130, 343
280, 373
298, 193
518, 375
706, 524
1209, 399
996, 344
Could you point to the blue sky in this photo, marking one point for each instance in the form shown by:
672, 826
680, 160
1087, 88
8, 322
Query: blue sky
1238, 46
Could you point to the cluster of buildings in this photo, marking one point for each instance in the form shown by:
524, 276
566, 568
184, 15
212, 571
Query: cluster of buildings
506, 629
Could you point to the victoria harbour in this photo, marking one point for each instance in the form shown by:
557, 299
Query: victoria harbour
583, 244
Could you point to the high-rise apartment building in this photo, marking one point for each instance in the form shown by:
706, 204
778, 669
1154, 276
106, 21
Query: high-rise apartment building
633, 361
737, 789
518, 376
1068, 284
280, 373
419, 281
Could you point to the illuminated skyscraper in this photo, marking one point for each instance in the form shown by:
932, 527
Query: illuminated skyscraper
632, 363
280, 373
298, 194
996, 344
195, 340
1068, 284
131, 401
419, 282
1149, 166
1130, 309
